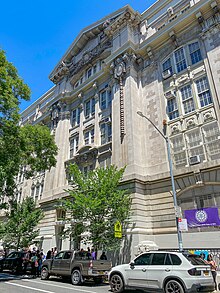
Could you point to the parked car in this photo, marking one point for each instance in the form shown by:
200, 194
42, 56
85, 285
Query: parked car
13, 262
69, 263
163, 271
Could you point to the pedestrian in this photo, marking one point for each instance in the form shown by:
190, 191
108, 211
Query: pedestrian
88, 254
81, 253
26, 260
103, 256
202, 255
49, 254
55, 251
93, 254
34, 264
213, 266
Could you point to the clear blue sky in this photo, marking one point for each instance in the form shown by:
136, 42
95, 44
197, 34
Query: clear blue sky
36, 34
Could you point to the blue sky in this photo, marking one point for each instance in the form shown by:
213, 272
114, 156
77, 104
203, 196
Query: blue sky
36, 34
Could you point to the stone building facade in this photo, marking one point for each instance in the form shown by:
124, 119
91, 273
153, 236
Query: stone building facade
165, 63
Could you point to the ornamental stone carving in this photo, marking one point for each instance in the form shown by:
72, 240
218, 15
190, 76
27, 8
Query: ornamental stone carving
87, 157
71, 68
128, 17
208, 115
191, 122
175, 128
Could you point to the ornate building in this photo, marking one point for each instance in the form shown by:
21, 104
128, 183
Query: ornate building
165, 63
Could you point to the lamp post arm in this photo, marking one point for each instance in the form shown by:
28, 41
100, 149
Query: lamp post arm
142, 115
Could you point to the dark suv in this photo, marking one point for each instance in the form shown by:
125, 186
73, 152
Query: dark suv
12, 262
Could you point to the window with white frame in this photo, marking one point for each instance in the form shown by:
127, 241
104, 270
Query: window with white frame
178, 150
89, 136
106, 132
37, 190
187, 98
74, 145
105, 99
172, 108
211, 135
87, 168
75, 120
167, 67
187, 55
203, 91
195, 143
89, 108
195, 53
105, 162
180, 60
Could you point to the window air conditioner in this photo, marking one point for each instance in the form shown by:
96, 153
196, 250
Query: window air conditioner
170, 94
167, 73
194, 160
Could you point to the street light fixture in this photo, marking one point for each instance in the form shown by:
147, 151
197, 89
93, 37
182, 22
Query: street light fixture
176, 207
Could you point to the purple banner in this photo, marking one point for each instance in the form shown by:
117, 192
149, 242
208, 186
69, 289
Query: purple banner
202, 217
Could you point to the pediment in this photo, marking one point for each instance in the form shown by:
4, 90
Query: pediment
90, 43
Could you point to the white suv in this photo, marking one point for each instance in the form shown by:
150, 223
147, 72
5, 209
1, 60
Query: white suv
163, 271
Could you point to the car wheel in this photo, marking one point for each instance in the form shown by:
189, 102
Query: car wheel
76, 277
116, 283
45, 273
173, 286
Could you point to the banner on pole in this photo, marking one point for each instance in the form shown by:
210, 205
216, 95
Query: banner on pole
202, 217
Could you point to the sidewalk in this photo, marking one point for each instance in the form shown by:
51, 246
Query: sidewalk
8, 276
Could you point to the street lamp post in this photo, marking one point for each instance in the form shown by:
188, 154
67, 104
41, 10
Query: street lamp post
179, 235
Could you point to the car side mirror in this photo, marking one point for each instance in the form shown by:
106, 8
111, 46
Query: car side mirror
132, 265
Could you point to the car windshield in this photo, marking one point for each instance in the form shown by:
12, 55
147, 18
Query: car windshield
12, 255
195, 259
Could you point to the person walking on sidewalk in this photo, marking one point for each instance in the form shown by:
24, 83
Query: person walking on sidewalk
213, 266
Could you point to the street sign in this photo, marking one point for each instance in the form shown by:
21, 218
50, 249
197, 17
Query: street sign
178, 212
118, 230
183, 227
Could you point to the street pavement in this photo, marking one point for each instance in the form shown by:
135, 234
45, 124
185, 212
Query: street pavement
10, 283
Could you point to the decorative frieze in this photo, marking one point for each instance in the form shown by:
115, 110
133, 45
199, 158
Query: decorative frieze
128, 17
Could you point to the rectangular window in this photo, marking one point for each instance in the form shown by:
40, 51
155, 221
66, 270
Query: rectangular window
195, 53
167, 68
89, 136
203, 91
105, 99
172, 109
180, 60
195, 144
74, 145
106, 132
211, 134
75, 117
89, 72
187, 99
178, 150
90, 108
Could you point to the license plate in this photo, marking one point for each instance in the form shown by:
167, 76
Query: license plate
101, 272
206, 273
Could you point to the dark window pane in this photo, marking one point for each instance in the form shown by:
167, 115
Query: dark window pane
158, 259
143, 259
175, 259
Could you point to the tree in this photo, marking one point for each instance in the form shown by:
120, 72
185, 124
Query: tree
31, 145
95, 203
19, 228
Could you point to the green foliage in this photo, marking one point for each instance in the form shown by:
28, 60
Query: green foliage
19, 228
96, 202
32, 146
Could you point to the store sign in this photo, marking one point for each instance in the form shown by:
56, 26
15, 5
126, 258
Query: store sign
202, 217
